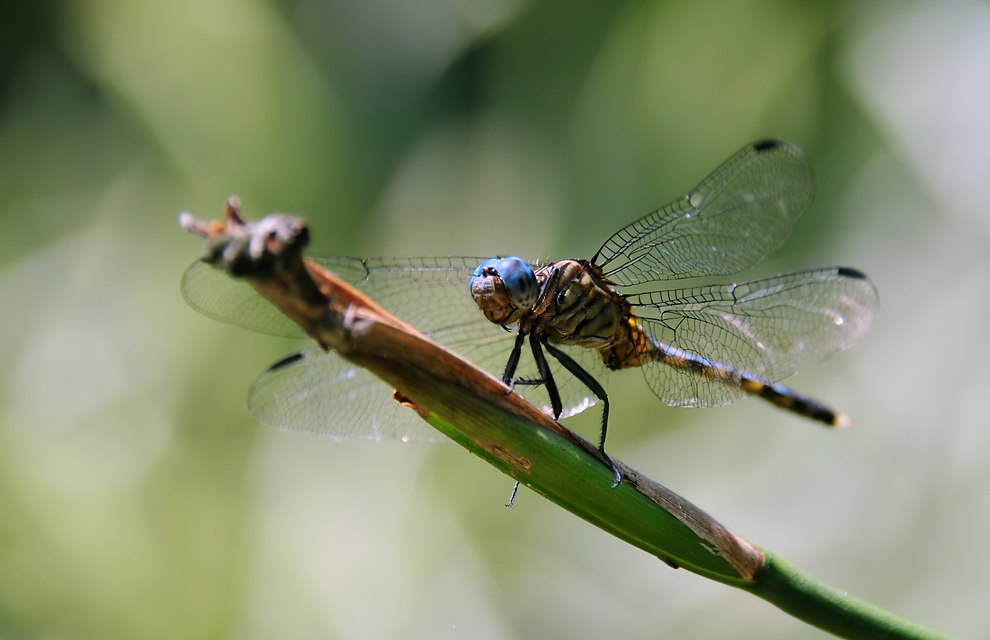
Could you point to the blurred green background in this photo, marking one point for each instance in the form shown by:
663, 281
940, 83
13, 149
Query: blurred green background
139, 499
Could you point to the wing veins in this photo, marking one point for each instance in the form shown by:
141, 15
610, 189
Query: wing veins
738, 214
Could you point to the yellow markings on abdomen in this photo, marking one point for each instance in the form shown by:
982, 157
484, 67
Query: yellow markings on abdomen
645, 349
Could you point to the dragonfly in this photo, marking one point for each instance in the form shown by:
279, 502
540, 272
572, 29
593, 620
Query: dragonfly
705, 345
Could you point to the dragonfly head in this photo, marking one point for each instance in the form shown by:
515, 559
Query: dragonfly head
504, 284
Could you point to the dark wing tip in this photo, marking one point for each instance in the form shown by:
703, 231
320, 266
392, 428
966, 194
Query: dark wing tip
765, 145
849, 272
286, 361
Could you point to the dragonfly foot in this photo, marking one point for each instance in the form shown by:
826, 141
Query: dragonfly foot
526, 382
512, 498
615, 469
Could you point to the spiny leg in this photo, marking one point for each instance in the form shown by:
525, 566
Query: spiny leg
513, 362
512, 498
546, 377
510, 370
525, 382
596, 388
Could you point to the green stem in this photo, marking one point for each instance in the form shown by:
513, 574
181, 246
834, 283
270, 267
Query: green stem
567, 470
828, 608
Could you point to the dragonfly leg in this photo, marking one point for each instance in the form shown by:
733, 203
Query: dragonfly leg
512, 498
546, 377
510, 370
510, 366
596, 388
526, 382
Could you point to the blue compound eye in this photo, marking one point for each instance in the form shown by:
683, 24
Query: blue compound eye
519, 280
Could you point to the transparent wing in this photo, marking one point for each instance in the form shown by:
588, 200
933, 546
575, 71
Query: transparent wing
319, 392
760, 329
215, 294
736, 216
430, 293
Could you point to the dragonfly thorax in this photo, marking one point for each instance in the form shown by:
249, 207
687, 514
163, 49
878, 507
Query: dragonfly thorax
577, 306
568, 302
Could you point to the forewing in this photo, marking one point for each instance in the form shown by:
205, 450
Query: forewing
216, 294
761, 329
433, 294
430, 293
736, 216
319, 392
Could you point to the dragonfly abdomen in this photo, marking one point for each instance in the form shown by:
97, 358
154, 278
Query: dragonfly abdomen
792, 401
636, 348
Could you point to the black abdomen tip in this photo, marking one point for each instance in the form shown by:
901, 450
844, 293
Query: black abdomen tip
286, 361
849, 272
765, 145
